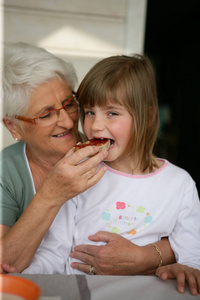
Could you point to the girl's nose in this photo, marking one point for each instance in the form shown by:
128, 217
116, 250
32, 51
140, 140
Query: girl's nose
98, 124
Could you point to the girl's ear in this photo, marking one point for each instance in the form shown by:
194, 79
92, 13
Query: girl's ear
12, 127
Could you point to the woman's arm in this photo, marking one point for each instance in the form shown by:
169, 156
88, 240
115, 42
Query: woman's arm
67, 179
19, 243
120, 256
51, 255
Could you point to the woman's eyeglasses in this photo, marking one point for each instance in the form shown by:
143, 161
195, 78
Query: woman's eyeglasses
51, 116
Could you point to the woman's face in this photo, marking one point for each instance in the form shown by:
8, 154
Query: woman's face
56, 139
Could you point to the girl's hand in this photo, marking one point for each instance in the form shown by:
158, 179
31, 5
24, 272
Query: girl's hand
182, 273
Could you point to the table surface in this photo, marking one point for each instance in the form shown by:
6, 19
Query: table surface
86, 287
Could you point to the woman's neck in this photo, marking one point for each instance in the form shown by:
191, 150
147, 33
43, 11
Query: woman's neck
40, 166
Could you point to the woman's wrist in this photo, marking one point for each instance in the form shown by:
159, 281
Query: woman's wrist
48, 200
155, 255
149, 259
159, 254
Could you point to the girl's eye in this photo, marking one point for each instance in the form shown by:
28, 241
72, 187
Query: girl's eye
113, 114
89, 113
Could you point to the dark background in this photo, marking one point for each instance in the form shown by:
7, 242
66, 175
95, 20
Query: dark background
172, 41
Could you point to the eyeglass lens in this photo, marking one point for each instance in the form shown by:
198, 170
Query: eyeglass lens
52, 116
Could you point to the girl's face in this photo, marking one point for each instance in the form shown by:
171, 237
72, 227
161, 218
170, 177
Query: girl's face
114, 122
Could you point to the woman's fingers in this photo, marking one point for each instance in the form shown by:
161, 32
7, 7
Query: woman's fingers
85, 253
81, 267
83, 257
92, 162
96, 177
104, 236
67, 179
8, 268
86, 162
75, 158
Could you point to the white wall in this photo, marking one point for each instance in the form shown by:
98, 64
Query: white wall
81, 31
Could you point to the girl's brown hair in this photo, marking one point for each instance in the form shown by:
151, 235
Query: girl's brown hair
129, 81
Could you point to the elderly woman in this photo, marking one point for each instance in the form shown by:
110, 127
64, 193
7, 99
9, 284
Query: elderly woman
41, 113
41, 172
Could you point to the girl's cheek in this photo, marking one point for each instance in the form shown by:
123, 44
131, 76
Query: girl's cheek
86, 128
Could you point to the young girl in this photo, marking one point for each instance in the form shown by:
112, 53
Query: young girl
140, 197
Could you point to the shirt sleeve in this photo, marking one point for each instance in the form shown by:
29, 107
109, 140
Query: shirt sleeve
16, 185
185, 238
10, 209
55, 248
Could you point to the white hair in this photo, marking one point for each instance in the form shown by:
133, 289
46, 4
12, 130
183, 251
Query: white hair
25, 68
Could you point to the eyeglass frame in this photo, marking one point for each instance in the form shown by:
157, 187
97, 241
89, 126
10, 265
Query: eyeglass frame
32, 120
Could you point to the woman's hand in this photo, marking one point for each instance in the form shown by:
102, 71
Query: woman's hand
118, 257
5, 268
72, 175
182, 273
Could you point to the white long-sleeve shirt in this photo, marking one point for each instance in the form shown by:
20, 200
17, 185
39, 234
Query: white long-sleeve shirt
142, 208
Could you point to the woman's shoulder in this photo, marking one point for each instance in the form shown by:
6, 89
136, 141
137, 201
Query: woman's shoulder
14, 168
15, 148
13, 155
